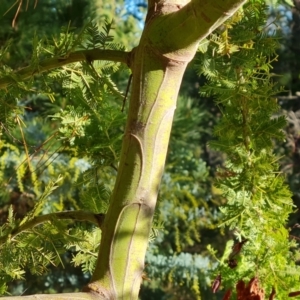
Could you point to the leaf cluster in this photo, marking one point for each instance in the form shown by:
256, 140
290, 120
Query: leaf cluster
95, 78
237, 64
84, 138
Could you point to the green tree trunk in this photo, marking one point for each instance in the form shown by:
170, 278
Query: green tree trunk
169, 41
173, 30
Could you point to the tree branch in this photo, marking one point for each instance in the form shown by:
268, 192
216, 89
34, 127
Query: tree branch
56, 62
82, 216
198, 18
66, 296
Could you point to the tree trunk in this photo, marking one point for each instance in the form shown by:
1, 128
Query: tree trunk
169, 41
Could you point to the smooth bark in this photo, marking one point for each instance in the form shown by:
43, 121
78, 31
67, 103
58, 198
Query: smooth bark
170, 39
173, 30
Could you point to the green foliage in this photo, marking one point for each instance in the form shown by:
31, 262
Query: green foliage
237, 63
88, 82
95, 190
34, 246
86, 249
126, 14
183, 272
81, 141
32, 249
90, 133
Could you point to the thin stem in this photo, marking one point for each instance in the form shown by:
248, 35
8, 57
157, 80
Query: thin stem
56, 62
66, 296
96, 219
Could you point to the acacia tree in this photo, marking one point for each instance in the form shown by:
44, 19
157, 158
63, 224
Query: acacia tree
170, 39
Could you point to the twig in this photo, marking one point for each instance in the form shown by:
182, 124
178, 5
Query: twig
56, 62
82, 216
126, 93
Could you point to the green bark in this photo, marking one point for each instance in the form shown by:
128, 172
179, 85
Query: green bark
172, 32
169, 41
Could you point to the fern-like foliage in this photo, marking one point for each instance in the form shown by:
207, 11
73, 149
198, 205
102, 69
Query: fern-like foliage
237, 64
62, 162
33, 249
95, 81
